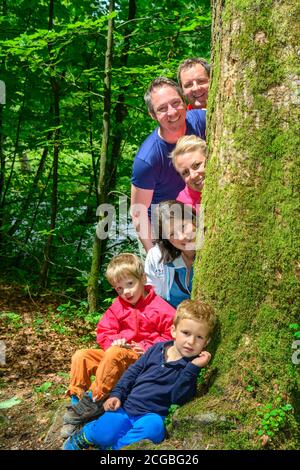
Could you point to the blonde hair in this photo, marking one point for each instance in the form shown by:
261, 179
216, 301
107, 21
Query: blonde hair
196, 310
125, 264
187, 144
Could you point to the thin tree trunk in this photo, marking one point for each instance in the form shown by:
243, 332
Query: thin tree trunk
120, 111
16, 149
54, 198
2, 156
36, 210
32, 190
92, 289
2, 170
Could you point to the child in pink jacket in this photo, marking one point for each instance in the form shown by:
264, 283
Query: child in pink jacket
136, 320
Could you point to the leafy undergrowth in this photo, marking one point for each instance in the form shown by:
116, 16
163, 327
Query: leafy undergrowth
38, 342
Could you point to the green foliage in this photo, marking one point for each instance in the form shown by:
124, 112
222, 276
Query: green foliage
12, 319
273, 418
171, 411
44, 388
295, 327
160, 36
201, 376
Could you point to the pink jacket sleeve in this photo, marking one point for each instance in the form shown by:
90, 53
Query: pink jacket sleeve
108, 329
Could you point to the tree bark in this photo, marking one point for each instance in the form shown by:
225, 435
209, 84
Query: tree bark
92, 289
247, 267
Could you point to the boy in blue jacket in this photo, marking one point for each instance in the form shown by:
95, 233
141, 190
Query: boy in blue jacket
166, 374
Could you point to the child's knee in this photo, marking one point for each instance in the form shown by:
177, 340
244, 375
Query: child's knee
154, 427
114, 353
79, 355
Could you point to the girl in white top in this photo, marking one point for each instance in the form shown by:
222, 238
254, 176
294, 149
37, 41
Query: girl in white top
169, 264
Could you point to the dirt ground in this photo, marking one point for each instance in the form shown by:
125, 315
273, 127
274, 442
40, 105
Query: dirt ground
38, 345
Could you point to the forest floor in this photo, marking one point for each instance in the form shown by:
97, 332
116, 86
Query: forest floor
38, 345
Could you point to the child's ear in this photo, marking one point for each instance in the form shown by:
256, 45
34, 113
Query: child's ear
144, 279
207, 341
173, 331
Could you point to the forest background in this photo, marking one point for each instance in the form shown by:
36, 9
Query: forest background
72, 116
53, 66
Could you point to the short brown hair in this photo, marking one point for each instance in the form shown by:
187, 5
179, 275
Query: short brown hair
160, 82
196, 310
189, 63
123, 265
187, 144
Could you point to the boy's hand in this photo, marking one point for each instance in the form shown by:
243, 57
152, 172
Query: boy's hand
112, 404
202, 360
137, 348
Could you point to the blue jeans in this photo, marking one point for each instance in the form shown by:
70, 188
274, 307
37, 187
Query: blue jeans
115, 429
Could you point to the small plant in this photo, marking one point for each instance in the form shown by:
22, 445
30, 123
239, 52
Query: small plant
64, 375
12, 319
43, 388
273, 418
171, 411
87, 338
92, 318
201, 376
59, 390
296, 330
59, 328
67, 310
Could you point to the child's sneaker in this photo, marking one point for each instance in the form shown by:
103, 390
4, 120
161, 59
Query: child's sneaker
77, 442
84, 411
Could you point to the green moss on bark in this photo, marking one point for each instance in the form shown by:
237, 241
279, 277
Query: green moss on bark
248, 265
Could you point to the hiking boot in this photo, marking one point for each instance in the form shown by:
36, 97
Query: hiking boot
77, 441
84, 411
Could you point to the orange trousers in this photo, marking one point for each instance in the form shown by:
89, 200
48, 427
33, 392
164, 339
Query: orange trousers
107, 366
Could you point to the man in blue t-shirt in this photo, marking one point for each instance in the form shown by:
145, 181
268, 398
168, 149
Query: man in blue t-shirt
154, 178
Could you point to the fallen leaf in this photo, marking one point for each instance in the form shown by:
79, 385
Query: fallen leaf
4, 405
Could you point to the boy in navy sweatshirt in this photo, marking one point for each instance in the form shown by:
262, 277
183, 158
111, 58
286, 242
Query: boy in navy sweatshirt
166, 374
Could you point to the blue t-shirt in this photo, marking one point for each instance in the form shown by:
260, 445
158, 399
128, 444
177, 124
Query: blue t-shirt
153, 167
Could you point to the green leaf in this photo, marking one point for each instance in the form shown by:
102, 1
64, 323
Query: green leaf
4, 405
43, 388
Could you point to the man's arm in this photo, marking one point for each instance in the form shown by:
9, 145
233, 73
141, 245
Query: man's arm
140, 202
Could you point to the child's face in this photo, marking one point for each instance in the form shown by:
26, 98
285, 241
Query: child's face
182, 234
190, 337
130, 288
191, 167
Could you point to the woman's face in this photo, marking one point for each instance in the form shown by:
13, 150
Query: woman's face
182, 234
191, 167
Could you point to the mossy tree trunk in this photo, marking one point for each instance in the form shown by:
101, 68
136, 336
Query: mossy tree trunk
247, 266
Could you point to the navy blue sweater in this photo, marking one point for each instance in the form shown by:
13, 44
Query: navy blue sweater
151, 384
